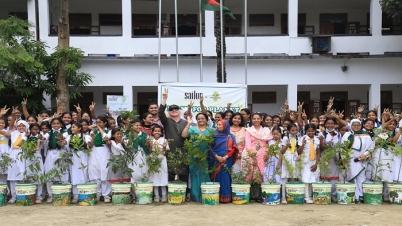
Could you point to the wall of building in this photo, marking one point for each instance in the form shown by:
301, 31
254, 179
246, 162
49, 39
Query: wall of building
7, 6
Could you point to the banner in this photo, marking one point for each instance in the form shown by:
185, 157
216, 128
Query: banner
117, 104
216, 95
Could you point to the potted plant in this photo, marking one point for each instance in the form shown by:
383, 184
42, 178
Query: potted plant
176, 189
86, 191
295, 189
61, 190
5, 163
322, 190
26, 188
240, 185
271, 190
345, 191
395, 189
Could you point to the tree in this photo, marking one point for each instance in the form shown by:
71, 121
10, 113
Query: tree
28, 71
393, 8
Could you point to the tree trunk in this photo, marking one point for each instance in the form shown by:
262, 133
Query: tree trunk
219, 48
63, 42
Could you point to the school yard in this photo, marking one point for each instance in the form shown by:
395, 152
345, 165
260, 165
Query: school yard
196, 214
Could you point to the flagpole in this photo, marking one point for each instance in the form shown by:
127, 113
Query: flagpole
200, 24
177, 40
222, 47
245, 40
159, 40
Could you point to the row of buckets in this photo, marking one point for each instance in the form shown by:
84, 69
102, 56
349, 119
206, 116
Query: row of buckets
295, 193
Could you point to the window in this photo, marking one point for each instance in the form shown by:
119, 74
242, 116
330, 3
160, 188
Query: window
21, 15
84, 100
263, 97
389, 26
386, 100
262, 20
187, 24
110, 20
301, 21
80, 23
333, 23
144, 98
233, 27
145, 24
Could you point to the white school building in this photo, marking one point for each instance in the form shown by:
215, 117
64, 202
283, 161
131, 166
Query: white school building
300, 50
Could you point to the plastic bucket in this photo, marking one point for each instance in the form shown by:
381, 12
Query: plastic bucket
26, 194
121, 193
61, 194
143, 192
3, 194
395, 194
295, 193
87, 194
240, 194
322, 193
372, 193
177, 193
210, 193
271, 194
345, 193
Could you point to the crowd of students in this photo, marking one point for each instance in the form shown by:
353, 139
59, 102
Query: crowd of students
239, 138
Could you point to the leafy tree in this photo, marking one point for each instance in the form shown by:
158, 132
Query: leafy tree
27, 70
393, 8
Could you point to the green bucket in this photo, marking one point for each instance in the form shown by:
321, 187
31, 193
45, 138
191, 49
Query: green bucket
295, 193
143, 192
210, 193
61, 194
177, 193
372, 193
3, 194
322, 193
240, 194
121, 193
345, 193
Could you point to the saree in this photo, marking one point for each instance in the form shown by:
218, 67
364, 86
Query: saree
224, 144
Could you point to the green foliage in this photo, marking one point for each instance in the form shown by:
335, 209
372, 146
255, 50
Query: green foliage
299, 167
272, 151
62, 165
239, 177
345, 153
5, 162
32, 163
197, 147
250, 163
175, 162
77, 144
325, 158
154, 162
397, 151
383, 142
27, 70
393, 8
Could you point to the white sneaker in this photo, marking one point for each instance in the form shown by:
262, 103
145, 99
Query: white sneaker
164, 198
156, 199
106, 199
309, 201
334, 200
49, 200
386, 198
38, 201
74, 201
97, 198
11, 201
283, 201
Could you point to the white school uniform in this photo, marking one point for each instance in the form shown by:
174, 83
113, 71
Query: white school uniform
270, 167
41, 170
334, 140
15, 171
117, 150
98, 160
4, 149
396, 167
386, 159
161, 178
307, 175
77, 175
54, 154
290, 157
139, 166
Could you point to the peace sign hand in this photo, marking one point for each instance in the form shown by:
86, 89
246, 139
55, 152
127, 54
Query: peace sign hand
165, 94
4, 110
92, 106
24, 101
78, 108
360, 108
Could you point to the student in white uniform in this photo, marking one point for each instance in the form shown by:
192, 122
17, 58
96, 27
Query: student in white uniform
4, 148
272, 163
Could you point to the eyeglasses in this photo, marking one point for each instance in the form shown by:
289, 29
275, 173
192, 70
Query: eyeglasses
173, 109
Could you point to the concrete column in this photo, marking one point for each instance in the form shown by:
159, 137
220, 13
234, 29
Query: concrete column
44, 23
292, 96
375, 18
32, 14
128, 92
293, 11
209, 24
126, 18
375, 97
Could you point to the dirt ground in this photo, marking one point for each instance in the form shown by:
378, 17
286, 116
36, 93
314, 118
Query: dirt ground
197, 214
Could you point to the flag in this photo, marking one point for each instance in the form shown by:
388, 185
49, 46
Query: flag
212, 5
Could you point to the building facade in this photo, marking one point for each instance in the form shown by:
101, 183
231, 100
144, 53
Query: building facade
300, 50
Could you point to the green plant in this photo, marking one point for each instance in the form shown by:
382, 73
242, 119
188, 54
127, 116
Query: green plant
382, 143
5, 162
197, 147
32, 163
272, 151
397, 151
325, 159
62, 165
121, 163
77, 144
252, 168
345, 155
154, 162
299, 167
289, 167
175, 162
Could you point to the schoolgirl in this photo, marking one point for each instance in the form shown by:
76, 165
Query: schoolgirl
160, 180
57, 143
373, 116
117, 147
79, 168
146, 123
309, 149
271, 165
4, 148
97, 162
67, 121
139, 166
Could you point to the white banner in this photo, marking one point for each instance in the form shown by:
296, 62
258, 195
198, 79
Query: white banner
117, 104
216, 95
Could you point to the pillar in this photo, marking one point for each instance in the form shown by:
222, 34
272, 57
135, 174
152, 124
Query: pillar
128, 92
375, 97
44, 22
293, 11
126, 18
31, 6
375, 18
292, 96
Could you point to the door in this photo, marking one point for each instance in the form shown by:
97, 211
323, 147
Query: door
352, 107
144, 99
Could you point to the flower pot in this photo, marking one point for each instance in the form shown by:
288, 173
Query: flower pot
143, 192
177, 193
395, 194
210, 193
121, 193
240, 194
61, 194
295, 193
271, 194
345, 193
26, 194
3, 194
87, 194
322, 193
372, 193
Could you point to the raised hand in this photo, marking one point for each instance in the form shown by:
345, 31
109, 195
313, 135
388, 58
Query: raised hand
360, 108
229, 105
304, 115
40, 119
78, 108
92, 106
190, 105
4, 110
106, 110
202, 98
300, 107
165, 94
24, 101
189, 120
376, 107
15, 109
286, 105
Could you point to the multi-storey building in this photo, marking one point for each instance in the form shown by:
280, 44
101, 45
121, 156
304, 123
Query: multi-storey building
300, 50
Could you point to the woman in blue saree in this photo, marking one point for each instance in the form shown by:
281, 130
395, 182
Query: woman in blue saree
222, 157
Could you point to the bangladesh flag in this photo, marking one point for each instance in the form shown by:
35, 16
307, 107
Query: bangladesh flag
212, 5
